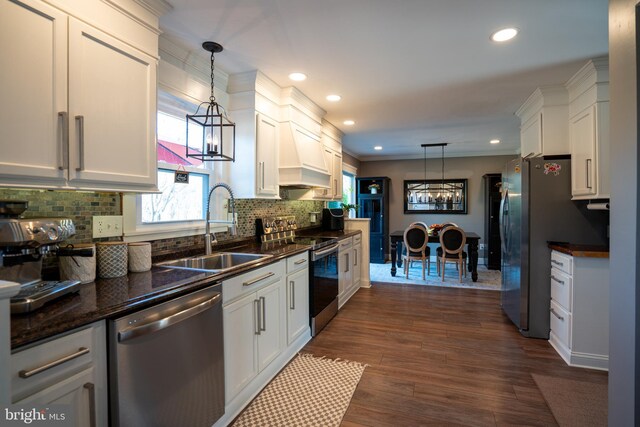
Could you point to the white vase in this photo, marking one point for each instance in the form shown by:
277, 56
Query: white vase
374, 191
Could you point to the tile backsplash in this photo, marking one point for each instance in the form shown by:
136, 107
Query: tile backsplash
81, 206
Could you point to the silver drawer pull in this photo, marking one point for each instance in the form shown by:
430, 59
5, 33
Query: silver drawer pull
557, 262
557, 280
301, 261
81, 352
257, 279
556, 314
92, 403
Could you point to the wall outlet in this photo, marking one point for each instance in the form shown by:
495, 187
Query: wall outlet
107, 226
482, 246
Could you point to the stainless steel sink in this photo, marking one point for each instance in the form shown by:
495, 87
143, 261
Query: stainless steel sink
217, 262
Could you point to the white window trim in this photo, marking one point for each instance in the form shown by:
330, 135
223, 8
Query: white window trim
134, 230
352, 170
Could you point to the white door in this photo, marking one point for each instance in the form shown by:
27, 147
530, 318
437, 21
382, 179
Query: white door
77, 393
298, 304
33, 90
240, 320
582, 132
266, 156
271, 337
112, 110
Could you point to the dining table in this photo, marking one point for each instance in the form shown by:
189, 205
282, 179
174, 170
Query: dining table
396, 238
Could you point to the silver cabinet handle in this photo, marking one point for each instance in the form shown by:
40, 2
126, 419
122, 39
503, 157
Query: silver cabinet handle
557, 262
355, 258
64, 144
588, 173
263, 175
92, 403
26, 374
292, 302
300, 261
335, 192
156, 325
556, 314
256, 309
263, 316
557, 280
80, 124
347, 262
257, 279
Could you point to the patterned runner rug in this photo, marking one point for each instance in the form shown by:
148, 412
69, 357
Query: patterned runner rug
310, 391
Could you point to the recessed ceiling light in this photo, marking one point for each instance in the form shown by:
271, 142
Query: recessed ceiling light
377, 147
504, 34
298, 77
495, 141
349, 122
334, 98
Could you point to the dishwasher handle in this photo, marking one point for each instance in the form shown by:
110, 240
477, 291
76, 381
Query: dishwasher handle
156, 325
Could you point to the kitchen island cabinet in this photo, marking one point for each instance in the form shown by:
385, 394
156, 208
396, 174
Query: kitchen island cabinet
80, 103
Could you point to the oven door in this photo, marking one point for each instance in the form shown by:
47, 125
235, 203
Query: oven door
324, 287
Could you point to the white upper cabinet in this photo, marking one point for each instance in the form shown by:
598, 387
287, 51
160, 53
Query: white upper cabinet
589, 131
332, 145
544, 126
255, 110
80, 104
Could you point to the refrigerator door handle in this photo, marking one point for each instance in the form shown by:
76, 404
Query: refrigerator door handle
504, 205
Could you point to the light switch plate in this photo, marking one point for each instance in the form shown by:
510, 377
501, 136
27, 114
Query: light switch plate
107, 226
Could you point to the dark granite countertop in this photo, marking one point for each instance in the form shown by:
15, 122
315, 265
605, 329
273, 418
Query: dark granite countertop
587, 251
112, 298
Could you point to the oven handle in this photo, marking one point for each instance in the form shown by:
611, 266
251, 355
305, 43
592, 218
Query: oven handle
316, 255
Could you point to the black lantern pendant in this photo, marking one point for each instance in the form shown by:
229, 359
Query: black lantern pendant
212, 131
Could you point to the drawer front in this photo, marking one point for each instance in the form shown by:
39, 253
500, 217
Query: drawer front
253, 280
357, 239
561, 288
40, 366
346, 243
562, 262
297, 262
560, 323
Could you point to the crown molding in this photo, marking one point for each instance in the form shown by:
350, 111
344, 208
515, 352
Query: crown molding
157, 7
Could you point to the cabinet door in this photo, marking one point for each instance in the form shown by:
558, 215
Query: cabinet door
112, 111
326, 193
531, 136
356, 264
371, 207
266, 156
345, 271
77, 393
376, 250
33, 89
271, 337
336, 176
240, 320
298, 304
582, 134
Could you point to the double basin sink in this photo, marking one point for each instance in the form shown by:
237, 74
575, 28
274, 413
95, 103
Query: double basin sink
214, 263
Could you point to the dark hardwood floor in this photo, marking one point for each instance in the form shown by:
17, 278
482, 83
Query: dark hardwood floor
440, 356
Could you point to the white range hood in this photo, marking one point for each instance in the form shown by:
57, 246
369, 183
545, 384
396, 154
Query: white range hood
302, 162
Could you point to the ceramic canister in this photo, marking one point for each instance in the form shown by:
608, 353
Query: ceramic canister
112, 259
78, 263
139, 257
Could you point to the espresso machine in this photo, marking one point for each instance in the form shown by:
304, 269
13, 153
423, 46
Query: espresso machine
24, 242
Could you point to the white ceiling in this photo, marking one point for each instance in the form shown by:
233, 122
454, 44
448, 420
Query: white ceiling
409, 71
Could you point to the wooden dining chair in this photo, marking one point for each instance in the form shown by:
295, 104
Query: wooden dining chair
452, 241
416, 249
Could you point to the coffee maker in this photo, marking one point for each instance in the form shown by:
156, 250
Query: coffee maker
24, 242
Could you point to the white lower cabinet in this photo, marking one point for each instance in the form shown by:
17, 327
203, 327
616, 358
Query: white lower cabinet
357, 262
297, 296
261, 330
69, 371
579, 310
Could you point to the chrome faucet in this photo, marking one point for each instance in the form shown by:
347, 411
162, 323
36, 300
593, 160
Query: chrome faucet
208, 234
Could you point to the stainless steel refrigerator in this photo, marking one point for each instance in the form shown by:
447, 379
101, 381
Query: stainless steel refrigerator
537, 208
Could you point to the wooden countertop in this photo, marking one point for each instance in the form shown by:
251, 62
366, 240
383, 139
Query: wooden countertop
587, 251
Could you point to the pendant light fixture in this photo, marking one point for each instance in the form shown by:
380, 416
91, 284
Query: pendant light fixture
211, 135
443, 194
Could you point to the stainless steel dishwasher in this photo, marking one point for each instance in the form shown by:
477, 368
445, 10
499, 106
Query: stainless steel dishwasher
166, 364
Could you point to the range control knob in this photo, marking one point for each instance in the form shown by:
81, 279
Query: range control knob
53, 233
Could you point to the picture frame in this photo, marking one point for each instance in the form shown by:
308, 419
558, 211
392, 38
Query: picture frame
435, 196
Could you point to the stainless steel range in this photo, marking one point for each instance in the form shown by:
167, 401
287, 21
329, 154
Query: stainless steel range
23, 244
323, 271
